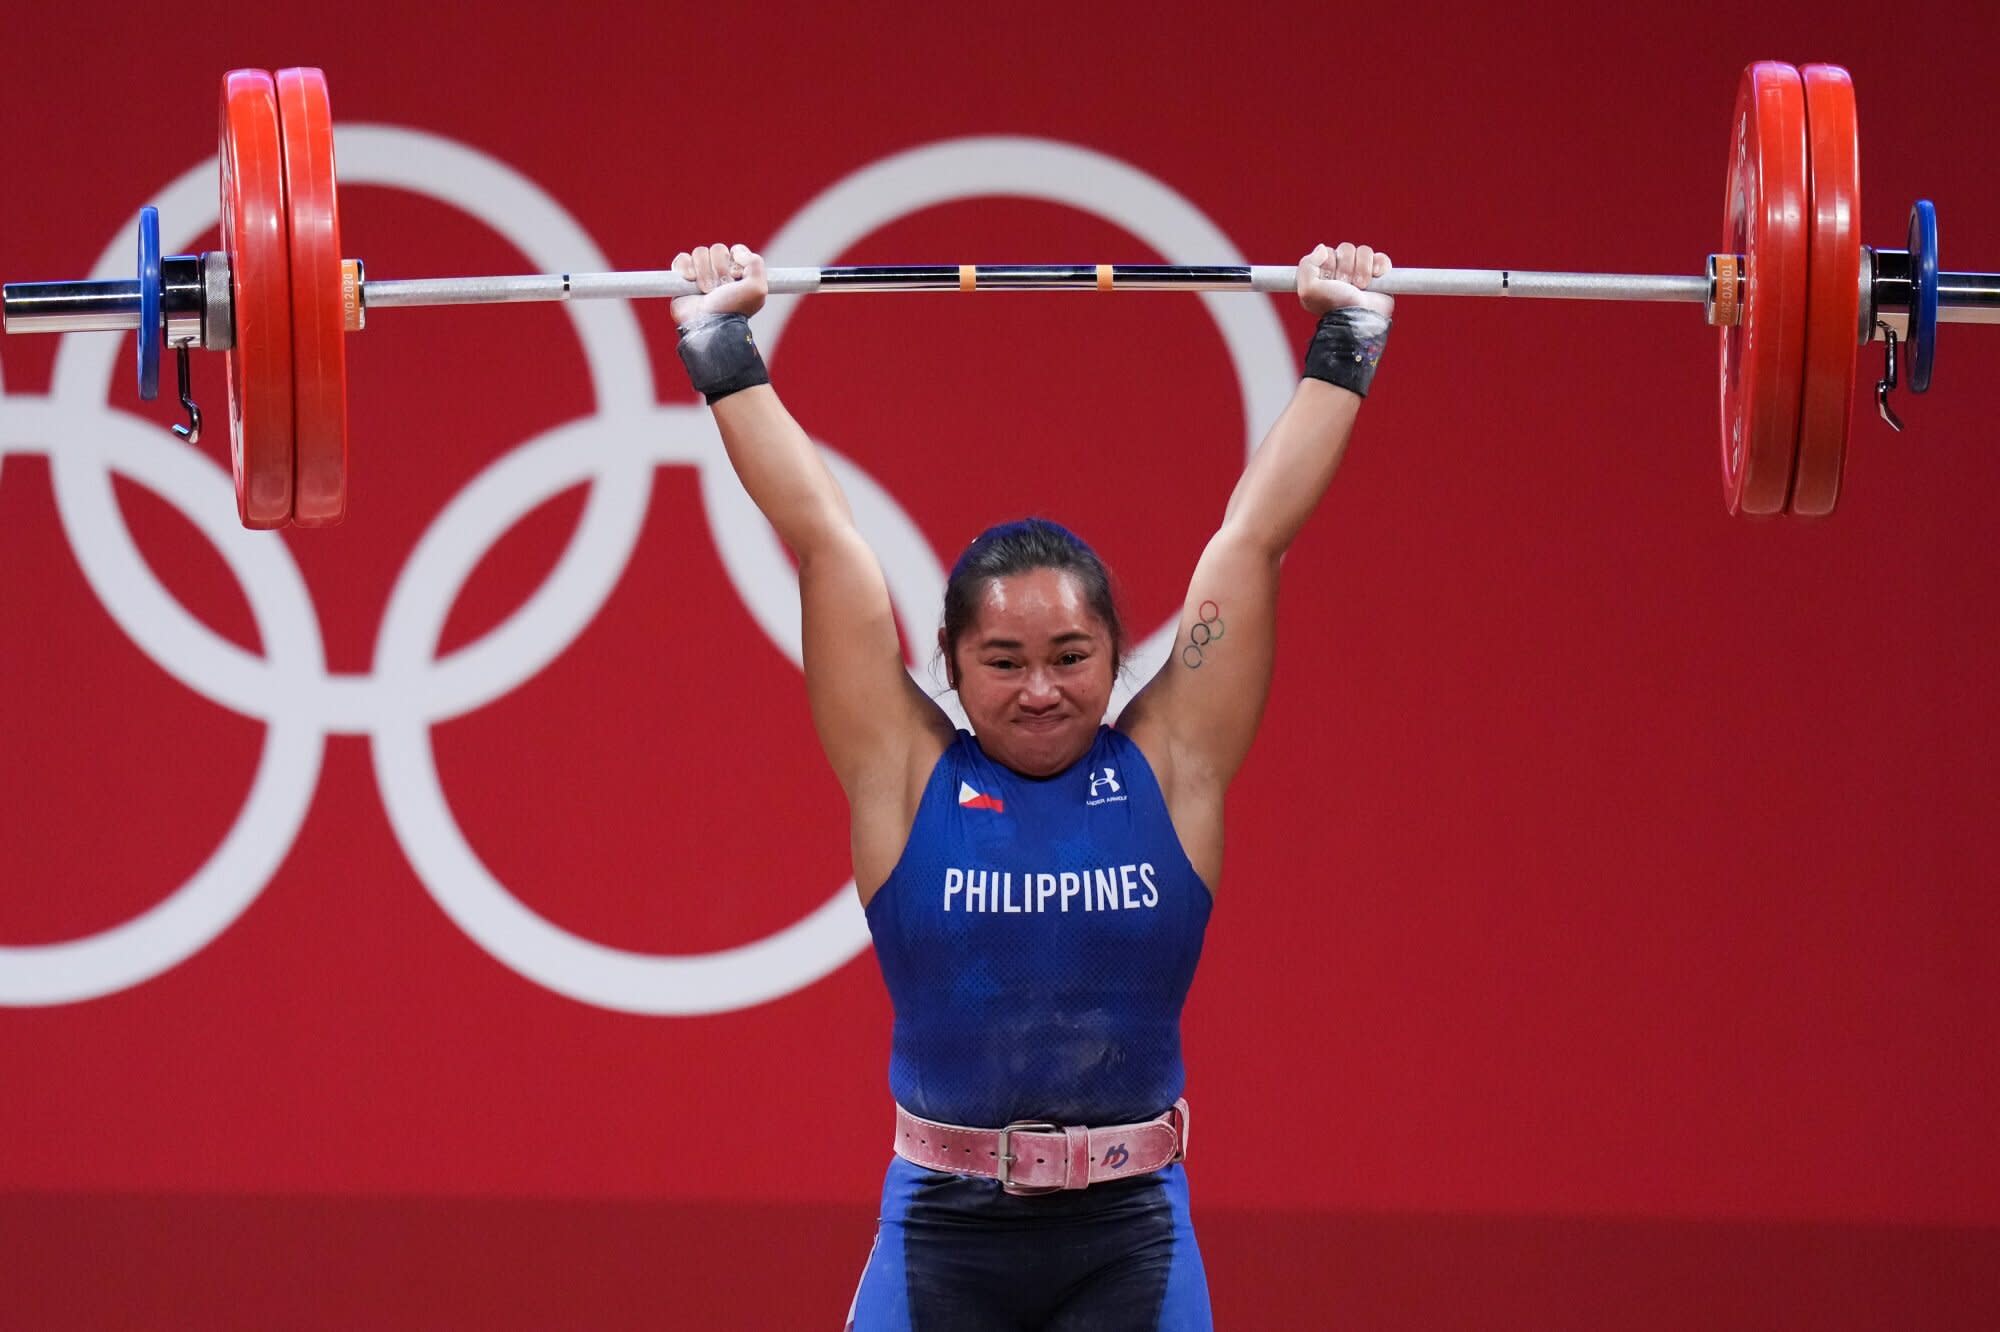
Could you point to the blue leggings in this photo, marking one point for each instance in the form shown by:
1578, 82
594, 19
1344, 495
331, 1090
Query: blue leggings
958, 1253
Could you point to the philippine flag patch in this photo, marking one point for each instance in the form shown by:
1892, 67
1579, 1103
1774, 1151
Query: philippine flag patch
971, 799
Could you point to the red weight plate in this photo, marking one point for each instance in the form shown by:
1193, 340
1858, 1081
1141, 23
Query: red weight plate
1764, 220
1833, 304
260, 266
319, 315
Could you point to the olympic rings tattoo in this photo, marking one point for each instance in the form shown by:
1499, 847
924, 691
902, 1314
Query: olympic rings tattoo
1204, 631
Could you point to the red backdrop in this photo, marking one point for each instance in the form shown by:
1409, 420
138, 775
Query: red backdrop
1606, 918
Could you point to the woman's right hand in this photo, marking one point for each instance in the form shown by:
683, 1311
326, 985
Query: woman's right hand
731, 279
1331, 278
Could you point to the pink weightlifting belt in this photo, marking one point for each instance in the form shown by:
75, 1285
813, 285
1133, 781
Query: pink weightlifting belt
1030, 1156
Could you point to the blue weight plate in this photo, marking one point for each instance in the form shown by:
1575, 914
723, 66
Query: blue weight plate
150, 338
1923, 293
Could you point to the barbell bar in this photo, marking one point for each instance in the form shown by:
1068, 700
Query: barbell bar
1793, 293
113, 305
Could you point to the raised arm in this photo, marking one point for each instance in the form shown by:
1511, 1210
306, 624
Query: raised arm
1196, 718
881, 733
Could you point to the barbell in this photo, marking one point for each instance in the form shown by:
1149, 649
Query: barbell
1793, 293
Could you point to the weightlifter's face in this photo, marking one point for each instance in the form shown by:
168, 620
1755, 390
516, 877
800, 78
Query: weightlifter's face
1034, 671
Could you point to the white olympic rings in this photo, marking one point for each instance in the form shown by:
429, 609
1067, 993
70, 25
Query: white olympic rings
410, 688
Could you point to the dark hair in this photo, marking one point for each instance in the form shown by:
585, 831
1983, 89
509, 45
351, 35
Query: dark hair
1016, 548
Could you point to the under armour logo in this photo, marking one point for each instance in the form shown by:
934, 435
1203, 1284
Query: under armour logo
1110, 779
1117, 1156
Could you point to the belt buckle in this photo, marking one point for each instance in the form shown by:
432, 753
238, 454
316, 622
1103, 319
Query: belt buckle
1007, 1157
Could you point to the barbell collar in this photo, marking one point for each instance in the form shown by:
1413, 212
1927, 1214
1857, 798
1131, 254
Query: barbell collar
218, 318
183, 298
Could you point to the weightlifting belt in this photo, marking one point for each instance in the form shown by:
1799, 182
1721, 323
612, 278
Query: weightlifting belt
1032, 1156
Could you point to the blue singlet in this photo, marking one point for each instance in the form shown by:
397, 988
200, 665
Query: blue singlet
1037, 937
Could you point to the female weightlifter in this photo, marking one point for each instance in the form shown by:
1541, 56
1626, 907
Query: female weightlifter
1037, 888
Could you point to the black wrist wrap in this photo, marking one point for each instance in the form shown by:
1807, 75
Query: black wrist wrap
1346, 347
721, 356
